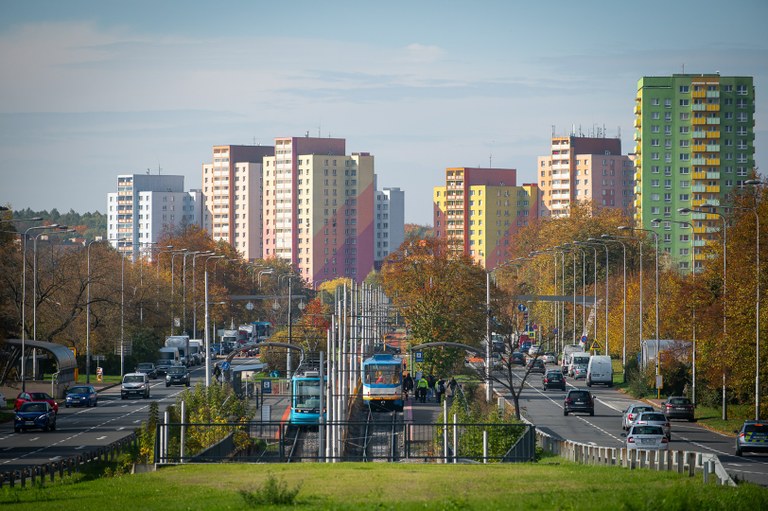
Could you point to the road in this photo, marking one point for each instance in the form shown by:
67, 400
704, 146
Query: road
545, 410
84, 429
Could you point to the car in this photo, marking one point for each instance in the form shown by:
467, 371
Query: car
655, 419
536, 365
534, 350
517, 358
553, 379
578, 400
35, 414
753, 437
135, 384
631, 413
177, 375
646, 437
577, 368
678, 407
147, 368
549, 358
81, 395
28, 397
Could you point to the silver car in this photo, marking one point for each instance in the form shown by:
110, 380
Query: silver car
646, 437
631, 413
655, 419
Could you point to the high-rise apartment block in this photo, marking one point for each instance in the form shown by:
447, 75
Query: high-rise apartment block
390, 222
479, 209
318, 208
232, 186
145, 207
585, 169
694, 144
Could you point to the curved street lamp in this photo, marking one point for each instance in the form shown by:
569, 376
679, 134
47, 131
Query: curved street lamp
24, 298
656, 239
712, 211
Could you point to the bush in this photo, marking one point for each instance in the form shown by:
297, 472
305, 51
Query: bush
273, 492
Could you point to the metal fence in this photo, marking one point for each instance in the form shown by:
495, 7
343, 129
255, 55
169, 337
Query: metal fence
397, 441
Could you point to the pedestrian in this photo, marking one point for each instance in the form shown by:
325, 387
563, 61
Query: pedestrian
421, 390
452, 385
440, 390
217, 372
407, 384
431, 384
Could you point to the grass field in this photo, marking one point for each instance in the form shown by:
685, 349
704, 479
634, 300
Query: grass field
552, 484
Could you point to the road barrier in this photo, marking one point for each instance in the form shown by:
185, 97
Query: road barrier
36, 475
682, 462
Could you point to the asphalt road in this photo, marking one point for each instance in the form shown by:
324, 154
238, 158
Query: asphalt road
84, 429
545, 410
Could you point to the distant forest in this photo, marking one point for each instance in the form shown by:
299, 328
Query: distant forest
88, 225
92, 225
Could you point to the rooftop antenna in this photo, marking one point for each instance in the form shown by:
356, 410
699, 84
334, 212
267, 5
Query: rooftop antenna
158, 168
683, 68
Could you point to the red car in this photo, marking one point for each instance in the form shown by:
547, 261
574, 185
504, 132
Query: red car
26, 397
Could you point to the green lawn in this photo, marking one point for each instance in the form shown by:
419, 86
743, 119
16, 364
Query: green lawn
551, 484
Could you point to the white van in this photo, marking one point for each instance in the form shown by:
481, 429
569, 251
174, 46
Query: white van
565, 358
600, 370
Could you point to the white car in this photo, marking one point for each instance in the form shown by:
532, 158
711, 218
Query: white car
655, 419
549, 358
534, 350
631, 413
646, 437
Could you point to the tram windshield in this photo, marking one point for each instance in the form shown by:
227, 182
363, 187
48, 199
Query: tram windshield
307, 395
383, 374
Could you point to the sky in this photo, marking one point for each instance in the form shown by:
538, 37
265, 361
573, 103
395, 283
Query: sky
90, 90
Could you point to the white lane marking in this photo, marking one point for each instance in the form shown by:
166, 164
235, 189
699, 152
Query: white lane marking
101, 437
79, 447
57, 458
34, 438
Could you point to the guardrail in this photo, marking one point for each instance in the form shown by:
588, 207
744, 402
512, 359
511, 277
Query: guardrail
37, 474
682, 462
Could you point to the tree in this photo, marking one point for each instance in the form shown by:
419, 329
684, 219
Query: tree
440, 295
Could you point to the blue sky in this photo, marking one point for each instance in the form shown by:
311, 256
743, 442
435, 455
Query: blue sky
90, 90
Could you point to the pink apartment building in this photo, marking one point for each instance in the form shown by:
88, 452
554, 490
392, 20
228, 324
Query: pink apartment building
585, 169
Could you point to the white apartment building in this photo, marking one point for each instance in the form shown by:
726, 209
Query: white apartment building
145, 207
389, 221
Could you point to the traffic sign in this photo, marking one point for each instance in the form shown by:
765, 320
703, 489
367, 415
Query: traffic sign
522, 308
584, 338
595, 346
419, 356
266, 386
224, 366
249, 306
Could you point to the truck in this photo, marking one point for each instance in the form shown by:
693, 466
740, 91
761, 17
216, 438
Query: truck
229, 340
197, 351
167, 357
181, 342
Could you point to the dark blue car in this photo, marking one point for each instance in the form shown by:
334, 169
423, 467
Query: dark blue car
35, 415
81, 395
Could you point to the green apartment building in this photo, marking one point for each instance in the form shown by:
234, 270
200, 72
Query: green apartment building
694, 143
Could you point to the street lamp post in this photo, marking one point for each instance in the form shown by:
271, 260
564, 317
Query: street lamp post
725, 279
658, 354
207, 329
88, 314
24, 299
594, 302
184, 289
757, 182
61, 229
605, 246
181, 252
194, 290
608, 238
693, 314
